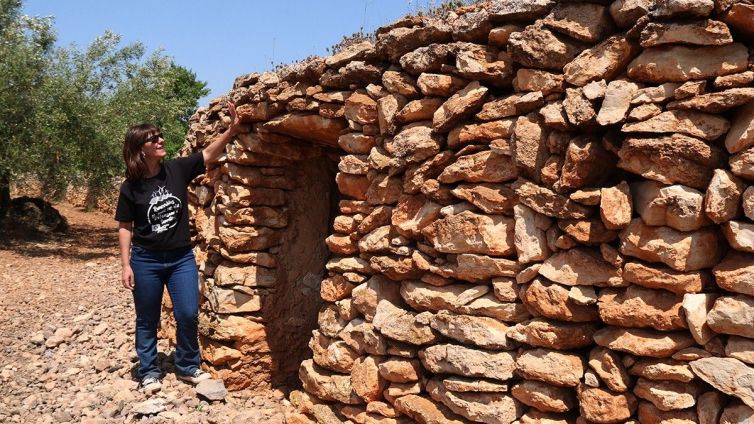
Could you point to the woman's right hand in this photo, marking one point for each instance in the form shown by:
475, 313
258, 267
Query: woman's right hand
127, 277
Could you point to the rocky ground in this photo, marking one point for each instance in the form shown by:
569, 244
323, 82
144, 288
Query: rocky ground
67, 338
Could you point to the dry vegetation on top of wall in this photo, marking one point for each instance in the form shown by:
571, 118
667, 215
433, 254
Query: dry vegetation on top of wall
547, 216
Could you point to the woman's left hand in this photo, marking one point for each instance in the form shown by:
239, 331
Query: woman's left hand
235, 122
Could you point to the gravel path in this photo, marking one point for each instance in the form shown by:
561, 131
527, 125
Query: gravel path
66, 327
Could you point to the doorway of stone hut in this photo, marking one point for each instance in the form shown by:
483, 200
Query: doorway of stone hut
260, 270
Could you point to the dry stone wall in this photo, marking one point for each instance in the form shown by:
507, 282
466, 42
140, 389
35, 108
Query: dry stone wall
545, 216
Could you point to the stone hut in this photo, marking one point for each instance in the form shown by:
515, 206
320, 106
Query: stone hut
521, 211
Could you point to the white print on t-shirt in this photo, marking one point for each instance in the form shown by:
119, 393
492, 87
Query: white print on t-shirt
163, 210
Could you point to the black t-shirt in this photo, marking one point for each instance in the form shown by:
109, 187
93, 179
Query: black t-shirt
157, 206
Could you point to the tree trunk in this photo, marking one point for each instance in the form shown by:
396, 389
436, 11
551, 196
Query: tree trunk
4, 194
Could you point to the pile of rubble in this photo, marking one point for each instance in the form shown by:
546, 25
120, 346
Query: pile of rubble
545, 217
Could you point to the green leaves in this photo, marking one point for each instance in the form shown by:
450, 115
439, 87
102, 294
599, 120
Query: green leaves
64, 111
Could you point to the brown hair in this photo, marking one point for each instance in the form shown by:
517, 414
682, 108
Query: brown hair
136, 136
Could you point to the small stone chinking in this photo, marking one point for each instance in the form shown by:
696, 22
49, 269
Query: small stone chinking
546, 216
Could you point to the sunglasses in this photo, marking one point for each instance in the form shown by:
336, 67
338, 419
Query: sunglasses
153, 138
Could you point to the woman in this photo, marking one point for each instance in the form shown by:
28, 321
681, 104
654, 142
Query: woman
153, 214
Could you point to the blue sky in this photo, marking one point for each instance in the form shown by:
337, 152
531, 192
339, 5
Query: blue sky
221, 40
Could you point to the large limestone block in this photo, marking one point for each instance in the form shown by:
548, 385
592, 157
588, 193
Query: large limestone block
354, 186
529, 234
244, 196
603, 61
739, 16
656, 276
723, 197
736, 273
547, 202
586, 163
537, 47
399, 324
696, 124
683, 8
417, 175
676, 206
719, 102
529, 145
468, 232
587, 22
400, 370
231, 274
740, 235
696, 306
327, 386
650, 414
671, 159
533, 80
484, 64
544, 397
415, 143
313, 128
625, 13
425, 297
235, 300
465, 361
727, 375
485, 332
732, 315
490, 306
511, 106
587, 231
367, 295
480, 133
667, 395
462, 104
680, 63
490, 198
735, 412
425, 411
401, 40
492, 408
662, 369
741, 348
617, 102
519, 10
550, 366
616, 206
254, 177
605, 407
643, 342
580, 266
332, 354
608, 366
413, 213
552, 301
682, 251
637, 306
541, 332
362, 337
700, 33
742, 164
476, 268
439, 84
366, 379
482, 167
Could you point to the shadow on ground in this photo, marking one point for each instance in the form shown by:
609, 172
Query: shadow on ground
89, 236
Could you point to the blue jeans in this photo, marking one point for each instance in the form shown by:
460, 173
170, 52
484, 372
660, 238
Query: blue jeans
152, 270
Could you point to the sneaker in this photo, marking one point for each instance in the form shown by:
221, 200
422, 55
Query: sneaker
151, 385
195, 377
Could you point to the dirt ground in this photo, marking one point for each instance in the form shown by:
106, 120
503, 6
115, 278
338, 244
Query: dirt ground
67, 330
